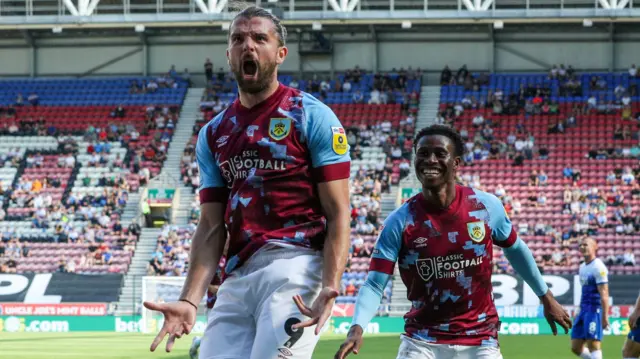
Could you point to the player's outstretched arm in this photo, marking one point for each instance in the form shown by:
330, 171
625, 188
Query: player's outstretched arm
383, 260
206, 249
522, 261
367, 304
331, 163
334, 197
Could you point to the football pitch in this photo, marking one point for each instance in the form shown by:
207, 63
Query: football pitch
131, 345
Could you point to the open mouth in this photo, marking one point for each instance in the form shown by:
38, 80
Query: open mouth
249, 68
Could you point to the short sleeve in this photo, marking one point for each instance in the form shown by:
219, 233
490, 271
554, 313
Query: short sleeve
387, 248
601, 273
327, 143
212, 186
502, 231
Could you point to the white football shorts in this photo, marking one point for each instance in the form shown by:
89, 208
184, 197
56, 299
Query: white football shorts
416, 349
254, 311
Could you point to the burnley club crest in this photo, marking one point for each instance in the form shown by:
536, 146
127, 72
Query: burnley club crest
476, 231
279, 128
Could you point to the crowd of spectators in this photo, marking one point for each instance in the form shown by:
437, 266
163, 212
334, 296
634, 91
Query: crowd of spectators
606, 208
171, 256
76, 217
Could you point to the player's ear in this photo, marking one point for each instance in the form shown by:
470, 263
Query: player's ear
456, 162
282, 54
228, 59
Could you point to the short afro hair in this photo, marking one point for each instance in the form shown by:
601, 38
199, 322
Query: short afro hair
441, 130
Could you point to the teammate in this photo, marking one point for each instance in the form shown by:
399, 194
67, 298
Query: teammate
442, 239
212, 295
274, 170
631, 349
593, 316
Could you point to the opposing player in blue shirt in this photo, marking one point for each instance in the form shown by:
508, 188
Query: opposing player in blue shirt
631, 349
593, 317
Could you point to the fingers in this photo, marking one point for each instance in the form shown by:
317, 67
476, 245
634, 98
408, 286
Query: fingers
566, 324
321, 320
552, 324
305, 324
159, 338
344, 350
186, 328
153, 306
356, 348
301, 306
172, 340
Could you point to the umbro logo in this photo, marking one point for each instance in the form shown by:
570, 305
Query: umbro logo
222, 141
285, 352
420, 242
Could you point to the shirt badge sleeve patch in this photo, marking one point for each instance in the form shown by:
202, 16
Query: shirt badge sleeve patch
339, 141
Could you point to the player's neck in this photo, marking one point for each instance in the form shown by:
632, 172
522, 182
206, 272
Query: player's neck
589, 259
248, 100
440, 197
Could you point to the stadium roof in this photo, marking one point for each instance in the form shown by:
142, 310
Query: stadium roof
46, 14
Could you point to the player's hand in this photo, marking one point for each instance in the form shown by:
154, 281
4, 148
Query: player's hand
554, 313
633, 319
320, 310
179, 318
351, 344
605, 322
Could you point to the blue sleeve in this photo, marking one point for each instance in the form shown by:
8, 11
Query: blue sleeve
522, 261
369, 298
383, 260
326, 139
502, 231
387, 248
211, 181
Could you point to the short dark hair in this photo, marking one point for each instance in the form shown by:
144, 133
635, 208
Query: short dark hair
441, 130
251, 11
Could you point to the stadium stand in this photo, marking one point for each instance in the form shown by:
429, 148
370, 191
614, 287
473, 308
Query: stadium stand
71, 154
572, 173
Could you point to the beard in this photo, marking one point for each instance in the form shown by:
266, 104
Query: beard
262, 81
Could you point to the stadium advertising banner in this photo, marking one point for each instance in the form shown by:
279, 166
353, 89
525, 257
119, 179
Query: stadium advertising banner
508, 326
515, 299
88, 309
340, 325
509, 290
56, 288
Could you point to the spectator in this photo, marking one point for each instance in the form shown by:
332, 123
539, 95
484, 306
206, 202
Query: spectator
357, 97
208, 70
628, 258
34, 99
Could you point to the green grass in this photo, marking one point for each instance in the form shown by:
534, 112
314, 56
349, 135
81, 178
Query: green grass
129, 346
